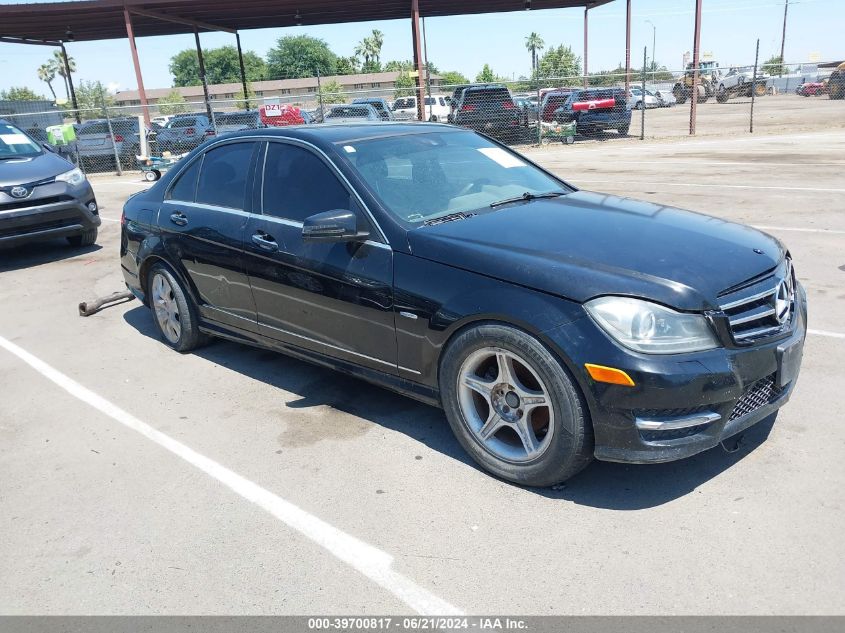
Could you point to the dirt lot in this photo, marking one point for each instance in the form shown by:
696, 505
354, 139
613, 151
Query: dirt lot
296, 490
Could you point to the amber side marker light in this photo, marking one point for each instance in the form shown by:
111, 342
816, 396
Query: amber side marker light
610, 375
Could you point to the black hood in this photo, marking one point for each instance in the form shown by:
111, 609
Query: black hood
22, 171
585, 244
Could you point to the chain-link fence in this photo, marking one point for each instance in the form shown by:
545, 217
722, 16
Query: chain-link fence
593, 108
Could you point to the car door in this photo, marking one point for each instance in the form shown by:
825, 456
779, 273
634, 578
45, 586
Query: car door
334, 298
202, 222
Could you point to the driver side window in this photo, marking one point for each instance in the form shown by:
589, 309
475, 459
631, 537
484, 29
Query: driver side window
298, 184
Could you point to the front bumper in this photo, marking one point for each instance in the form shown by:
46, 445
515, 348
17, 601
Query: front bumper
681, 404
51, 211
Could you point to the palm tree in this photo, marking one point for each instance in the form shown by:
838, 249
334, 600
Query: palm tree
58, 63
364, 49
376, 42
47, 74
534, 43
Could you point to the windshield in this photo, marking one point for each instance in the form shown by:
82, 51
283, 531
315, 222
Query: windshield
15, 144
419, 177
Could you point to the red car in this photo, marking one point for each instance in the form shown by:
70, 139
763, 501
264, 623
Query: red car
273, 115
811, 89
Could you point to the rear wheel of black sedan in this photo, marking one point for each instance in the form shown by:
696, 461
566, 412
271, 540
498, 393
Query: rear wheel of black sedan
172, 310
513, 407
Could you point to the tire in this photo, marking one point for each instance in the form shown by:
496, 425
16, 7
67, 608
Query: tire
87, 238
559, 432
152, 175
173, 312
760, 90
722, 95
623, 131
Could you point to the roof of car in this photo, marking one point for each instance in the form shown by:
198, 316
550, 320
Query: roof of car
333, 133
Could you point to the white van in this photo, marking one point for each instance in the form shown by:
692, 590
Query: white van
436, 108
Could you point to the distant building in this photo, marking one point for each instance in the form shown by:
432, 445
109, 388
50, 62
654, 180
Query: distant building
301, 91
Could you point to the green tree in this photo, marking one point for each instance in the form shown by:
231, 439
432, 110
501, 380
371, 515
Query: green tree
347, 66
534, 43
221, 66
20, 93
453, 78
560, 63
296, 56
405, 85
248, 102
774, 66
173, 103
332, 92
57, 61
486, 75
369, 49
92, 97
47, 74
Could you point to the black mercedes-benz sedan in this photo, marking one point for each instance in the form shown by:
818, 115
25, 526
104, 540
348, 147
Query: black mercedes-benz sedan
552, 325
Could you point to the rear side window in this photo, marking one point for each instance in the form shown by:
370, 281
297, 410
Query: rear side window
183, 122
224, 174
298, 184
185, 187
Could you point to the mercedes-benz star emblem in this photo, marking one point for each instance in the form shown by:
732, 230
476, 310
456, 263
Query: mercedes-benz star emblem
19, 192
783, 301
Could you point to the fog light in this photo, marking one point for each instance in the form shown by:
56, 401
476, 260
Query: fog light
92, 207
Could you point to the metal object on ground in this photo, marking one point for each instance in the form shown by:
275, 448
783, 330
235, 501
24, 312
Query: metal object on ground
87, 308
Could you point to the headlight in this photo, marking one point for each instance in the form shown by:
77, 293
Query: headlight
73, 177
647, 327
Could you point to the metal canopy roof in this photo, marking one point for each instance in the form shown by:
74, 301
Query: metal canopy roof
88, 20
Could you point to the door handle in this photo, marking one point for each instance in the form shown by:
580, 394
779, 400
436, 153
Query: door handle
178, 218
265, 242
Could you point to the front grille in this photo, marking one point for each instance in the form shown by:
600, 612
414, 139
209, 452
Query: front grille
40, 226
763, 392
33, 202
763, 309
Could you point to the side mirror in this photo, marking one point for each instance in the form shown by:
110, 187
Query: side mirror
338, 225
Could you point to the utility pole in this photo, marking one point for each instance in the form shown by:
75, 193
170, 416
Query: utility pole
783, 37
653, 47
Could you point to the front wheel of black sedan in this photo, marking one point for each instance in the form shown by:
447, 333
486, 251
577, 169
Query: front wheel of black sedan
172, 311
513, 407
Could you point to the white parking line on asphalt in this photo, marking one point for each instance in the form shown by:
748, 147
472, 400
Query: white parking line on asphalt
102, 217
826, 333
370, 561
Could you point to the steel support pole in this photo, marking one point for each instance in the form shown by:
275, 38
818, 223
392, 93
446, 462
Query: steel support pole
142, 95
628, 48
693, 107
418, 58
427, 74
70, 83
202, 78
586, 45
243, 71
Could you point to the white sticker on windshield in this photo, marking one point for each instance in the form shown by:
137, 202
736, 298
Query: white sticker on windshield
349, 149
501, 157
15, 139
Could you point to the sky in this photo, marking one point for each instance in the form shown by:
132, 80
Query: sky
730, 29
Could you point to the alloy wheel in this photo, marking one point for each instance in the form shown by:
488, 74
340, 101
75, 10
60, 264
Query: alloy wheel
505, 404
166, 308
